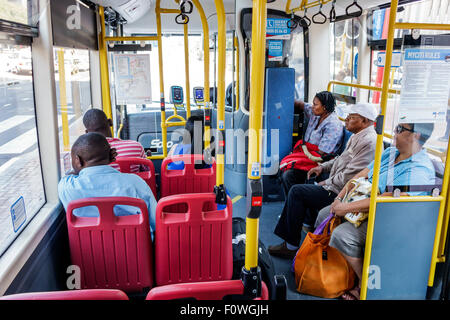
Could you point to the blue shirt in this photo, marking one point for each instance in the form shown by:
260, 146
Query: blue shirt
328, 135
105, 181
179, 150
416, 170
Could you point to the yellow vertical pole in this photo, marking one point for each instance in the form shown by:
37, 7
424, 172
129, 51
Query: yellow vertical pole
259, 17
104, 72
186, 67
207, 105
236, 45
220, 161
378, 150
161, 79
63, 99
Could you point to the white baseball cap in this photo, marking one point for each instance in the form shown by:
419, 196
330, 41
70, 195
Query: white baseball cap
366, 110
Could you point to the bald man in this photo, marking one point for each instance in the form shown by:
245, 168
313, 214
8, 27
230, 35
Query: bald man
93, 177
95, 120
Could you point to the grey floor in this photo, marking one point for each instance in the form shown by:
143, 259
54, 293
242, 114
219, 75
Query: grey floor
267, 222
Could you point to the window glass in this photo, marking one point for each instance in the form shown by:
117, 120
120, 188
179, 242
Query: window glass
21, 184
76, 99
345, 37
20, 11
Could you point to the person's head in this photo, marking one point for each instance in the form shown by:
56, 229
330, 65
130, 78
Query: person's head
95, 120
89, 150
341, 75
360, 116
411, 136
194, 132
323, 103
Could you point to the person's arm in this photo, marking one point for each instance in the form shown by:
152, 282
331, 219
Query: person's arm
360, 160
331, 137
171, 151
337, 201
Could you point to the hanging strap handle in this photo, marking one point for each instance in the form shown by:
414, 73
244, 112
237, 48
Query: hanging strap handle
319, 14
292, 23
182, 19
356, 13
333, 12
186, 7
305, 19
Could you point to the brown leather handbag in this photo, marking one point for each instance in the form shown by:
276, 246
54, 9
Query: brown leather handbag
321, 270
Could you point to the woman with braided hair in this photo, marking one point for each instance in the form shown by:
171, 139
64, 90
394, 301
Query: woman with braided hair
323, 136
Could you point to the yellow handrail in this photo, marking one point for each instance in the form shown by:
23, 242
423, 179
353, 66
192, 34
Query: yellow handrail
104, 72
259, 18
236, 45
164, 124
186, 69
63, 99
220, 157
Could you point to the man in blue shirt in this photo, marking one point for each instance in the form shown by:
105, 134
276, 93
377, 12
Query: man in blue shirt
406, 164
93, 177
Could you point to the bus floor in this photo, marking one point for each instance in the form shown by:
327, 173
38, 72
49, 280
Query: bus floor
267, 222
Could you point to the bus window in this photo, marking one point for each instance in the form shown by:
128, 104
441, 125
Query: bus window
21, 184
76, 99
345, 37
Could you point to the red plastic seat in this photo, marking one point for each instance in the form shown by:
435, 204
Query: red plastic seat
113, 252
213, 290
87, 294
125, 164
188, 179
194, 245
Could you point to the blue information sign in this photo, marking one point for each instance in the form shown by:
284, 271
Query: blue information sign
277, 29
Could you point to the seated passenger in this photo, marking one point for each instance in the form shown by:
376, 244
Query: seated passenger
324, 131
305, 200
406, 164
95, 120
192, 142
93, 177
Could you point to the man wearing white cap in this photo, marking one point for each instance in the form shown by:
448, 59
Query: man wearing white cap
305, 200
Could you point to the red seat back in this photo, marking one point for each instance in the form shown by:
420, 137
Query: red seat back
87, 294
213, 290
189, 179
126, 163
113, 252
194, 245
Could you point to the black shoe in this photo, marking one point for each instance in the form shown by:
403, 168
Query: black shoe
282, 251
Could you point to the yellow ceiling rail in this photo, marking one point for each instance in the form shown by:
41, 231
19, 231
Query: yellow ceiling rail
104, 72
304, 5
423, 26
137, 38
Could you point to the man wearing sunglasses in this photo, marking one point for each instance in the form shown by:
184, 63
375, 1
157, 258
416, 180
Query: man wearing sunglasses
406, 164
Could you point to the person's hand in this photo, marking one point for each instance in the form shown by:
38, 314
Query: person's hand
112, 154
340, 209
335, 203
314, 171
321, 183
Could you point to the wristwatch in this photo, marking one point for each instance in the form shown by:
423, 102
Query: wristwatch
338, 198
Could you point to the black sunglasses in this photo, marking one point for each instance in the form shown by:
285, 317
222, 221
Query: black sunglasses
399, 129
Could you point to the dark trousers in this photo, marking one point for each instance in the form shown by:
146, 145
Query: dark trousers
292, 177
303, 202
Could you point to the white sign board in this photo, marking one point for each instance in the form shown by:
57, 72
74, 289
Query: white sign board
132, 78
425, 86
